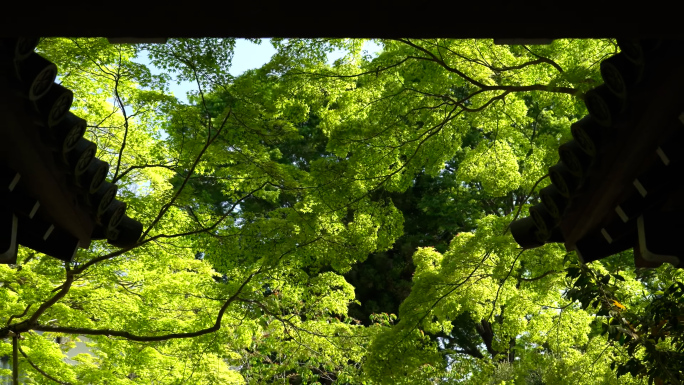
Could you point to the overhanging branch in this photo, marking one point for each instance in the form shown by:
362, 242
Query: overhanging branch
135, 337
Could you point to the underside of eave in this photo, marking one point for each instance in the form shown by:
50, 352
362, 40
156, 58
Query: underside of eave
497, 19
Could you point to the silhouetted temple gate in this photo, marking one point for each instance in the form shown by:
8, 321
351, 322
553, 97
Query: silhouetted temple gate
54, 196
619, 183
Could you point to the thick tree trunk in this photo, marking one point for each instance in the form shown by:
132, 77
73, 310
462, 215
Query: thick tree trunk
484, 329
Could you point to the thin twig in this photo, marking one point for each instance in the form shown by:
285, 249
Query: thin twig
523, 202
504, 282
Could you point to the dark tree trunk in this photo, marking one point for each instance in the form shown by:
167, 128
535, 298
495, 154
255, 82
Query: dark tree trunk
15, 360
484, 329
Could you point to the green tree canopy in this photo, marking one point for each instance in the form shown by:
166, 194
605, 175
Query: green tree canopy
335, 223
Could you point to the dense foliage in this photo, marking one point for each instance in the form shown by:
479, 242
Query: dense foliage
346, 223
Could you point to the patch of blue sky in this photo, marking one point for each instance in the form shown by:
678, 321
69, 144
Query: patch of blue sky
246, 56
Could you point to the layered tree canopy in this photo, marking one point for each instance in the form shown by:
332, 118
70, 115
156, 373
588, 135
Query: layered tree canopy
347, 223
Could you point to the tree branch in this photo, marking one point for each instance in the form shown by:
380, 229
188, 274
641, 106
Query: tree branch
375, 71
545, 59
13, 316
456, 286
131, 168
66, 286
123, 111
524, 200
441, 62
165, 208
502, 283
134, 337
114, 254
534, 87
40, 370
